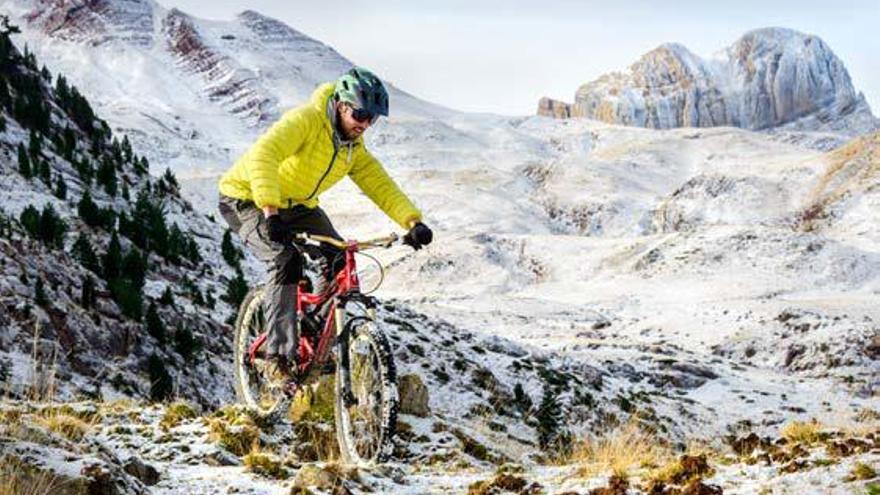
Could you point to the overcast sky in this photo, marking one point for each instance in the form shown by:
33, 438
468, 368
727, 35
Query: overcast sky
502, 56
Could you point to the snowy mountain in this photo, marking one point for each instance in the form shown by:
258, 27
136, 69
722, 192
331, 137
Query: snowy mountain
697, 282
768, 78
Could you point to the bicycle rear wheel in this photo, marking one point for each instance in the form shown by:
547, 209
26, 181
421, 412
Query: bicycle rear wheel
251, 387
366, 414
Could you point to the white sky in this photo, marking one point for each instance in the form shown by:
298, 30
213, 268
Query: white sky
502, 56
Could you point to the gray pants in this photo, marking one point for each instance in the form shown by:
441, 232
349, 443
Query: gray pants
284, 264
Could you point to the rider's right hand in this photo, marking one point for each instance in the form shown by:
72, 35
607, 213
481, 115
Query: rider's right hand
278, 232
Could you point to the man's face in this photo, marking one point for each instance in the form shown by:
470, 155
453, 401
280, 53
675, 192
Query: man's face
350, 127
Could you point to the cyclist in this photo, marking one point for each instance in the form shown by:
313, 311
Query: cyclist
271, 193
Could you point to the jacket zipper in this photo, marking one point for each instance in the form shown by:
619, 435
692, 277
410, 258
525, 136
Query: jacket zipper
329, 166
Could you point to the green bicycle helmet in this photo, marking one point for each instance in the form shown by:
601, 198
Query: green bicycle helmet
362, 90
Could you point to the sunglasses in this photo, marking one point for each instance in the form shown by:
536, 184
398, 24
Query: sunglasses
363, 116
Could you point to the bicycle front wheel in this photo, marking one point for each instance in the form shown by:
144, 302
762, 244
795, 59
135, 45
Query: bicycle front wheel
366, 394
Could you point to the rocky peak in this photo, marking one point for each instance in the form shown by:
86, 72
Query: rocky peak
270, 30
226, 81
95, 21
767, 78
787, 75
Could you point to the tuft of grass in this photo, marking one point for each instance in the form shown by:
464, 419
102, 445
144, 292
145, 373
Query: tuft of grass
683, 470
265, 464
315, 403
235, 430
862, 471
17, 478
620, 451
873, 488
69, 426
175, 413
807, 432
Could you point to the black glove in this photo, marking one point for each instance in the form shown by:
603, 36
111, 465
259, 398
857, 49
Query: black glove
278, 232
418, 236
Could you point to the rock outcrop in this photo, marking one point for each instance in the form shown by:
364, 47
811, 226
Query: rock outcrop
95, 21
767, 78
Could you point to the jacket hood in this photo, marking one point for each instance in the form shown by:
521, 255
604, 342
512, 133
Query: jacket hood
321, 94
321, 101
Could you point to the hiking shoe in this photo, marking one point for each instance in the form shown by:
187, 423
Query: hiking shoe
275, 371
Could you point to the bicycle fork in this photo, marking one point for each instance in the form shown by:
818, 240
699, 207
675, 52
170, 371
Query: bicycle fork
342, 344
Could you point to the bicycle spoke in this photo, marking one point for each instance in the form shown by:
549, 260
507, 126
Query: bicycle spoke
366, 414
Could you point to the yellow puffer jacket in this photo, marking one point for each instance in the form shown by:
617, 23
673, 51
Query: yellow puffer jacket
296, 160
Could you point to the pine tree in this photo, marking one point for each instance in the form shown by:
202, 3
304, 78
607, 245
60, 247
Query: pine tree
134, 267
236, 289
154, 325
85, 170
45, 171
192, 250
161, 384
111, 262
5, 96
88, 296
2, 122
35, 145
170, 179
128, 297
106, 176
126, 149
62, 92
167, 298
550, 419
185, 344
24, 163
52, 227
85, 254
40, 298
46, 226
521, 401
88, 210
230, 253
210, 302
125, 193
68, 143
30, 220
61, 188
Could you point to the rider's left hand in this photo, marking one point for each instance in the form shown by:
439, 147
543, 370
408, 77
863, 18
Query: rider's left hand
418, 236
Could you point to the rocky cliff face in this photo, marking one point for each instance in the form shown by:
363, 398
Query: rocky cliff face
767, 78
95, 21
235, 87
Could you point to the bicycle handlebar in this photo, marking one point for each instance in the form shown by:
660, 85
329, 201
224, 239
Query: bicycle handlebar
385, 242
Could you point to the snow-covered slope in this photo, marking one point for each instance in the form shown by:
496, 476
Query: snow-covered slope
767, 78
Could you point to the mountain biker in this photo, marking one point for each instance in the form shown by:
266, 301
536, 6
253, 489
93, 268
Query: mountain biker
271, 193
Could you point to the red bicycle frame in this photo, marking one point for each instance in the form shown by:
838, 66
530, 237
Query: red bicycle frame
346, 282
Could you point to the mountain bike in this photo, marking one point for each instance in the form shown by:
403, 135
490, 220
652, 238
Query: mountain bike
338, 335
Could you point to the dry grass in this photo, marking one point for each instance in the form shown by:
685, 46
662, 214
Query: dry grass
175, 413
17, 478
807, 432
235, 430
620, 451
69, 426
265, 464
862, 471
